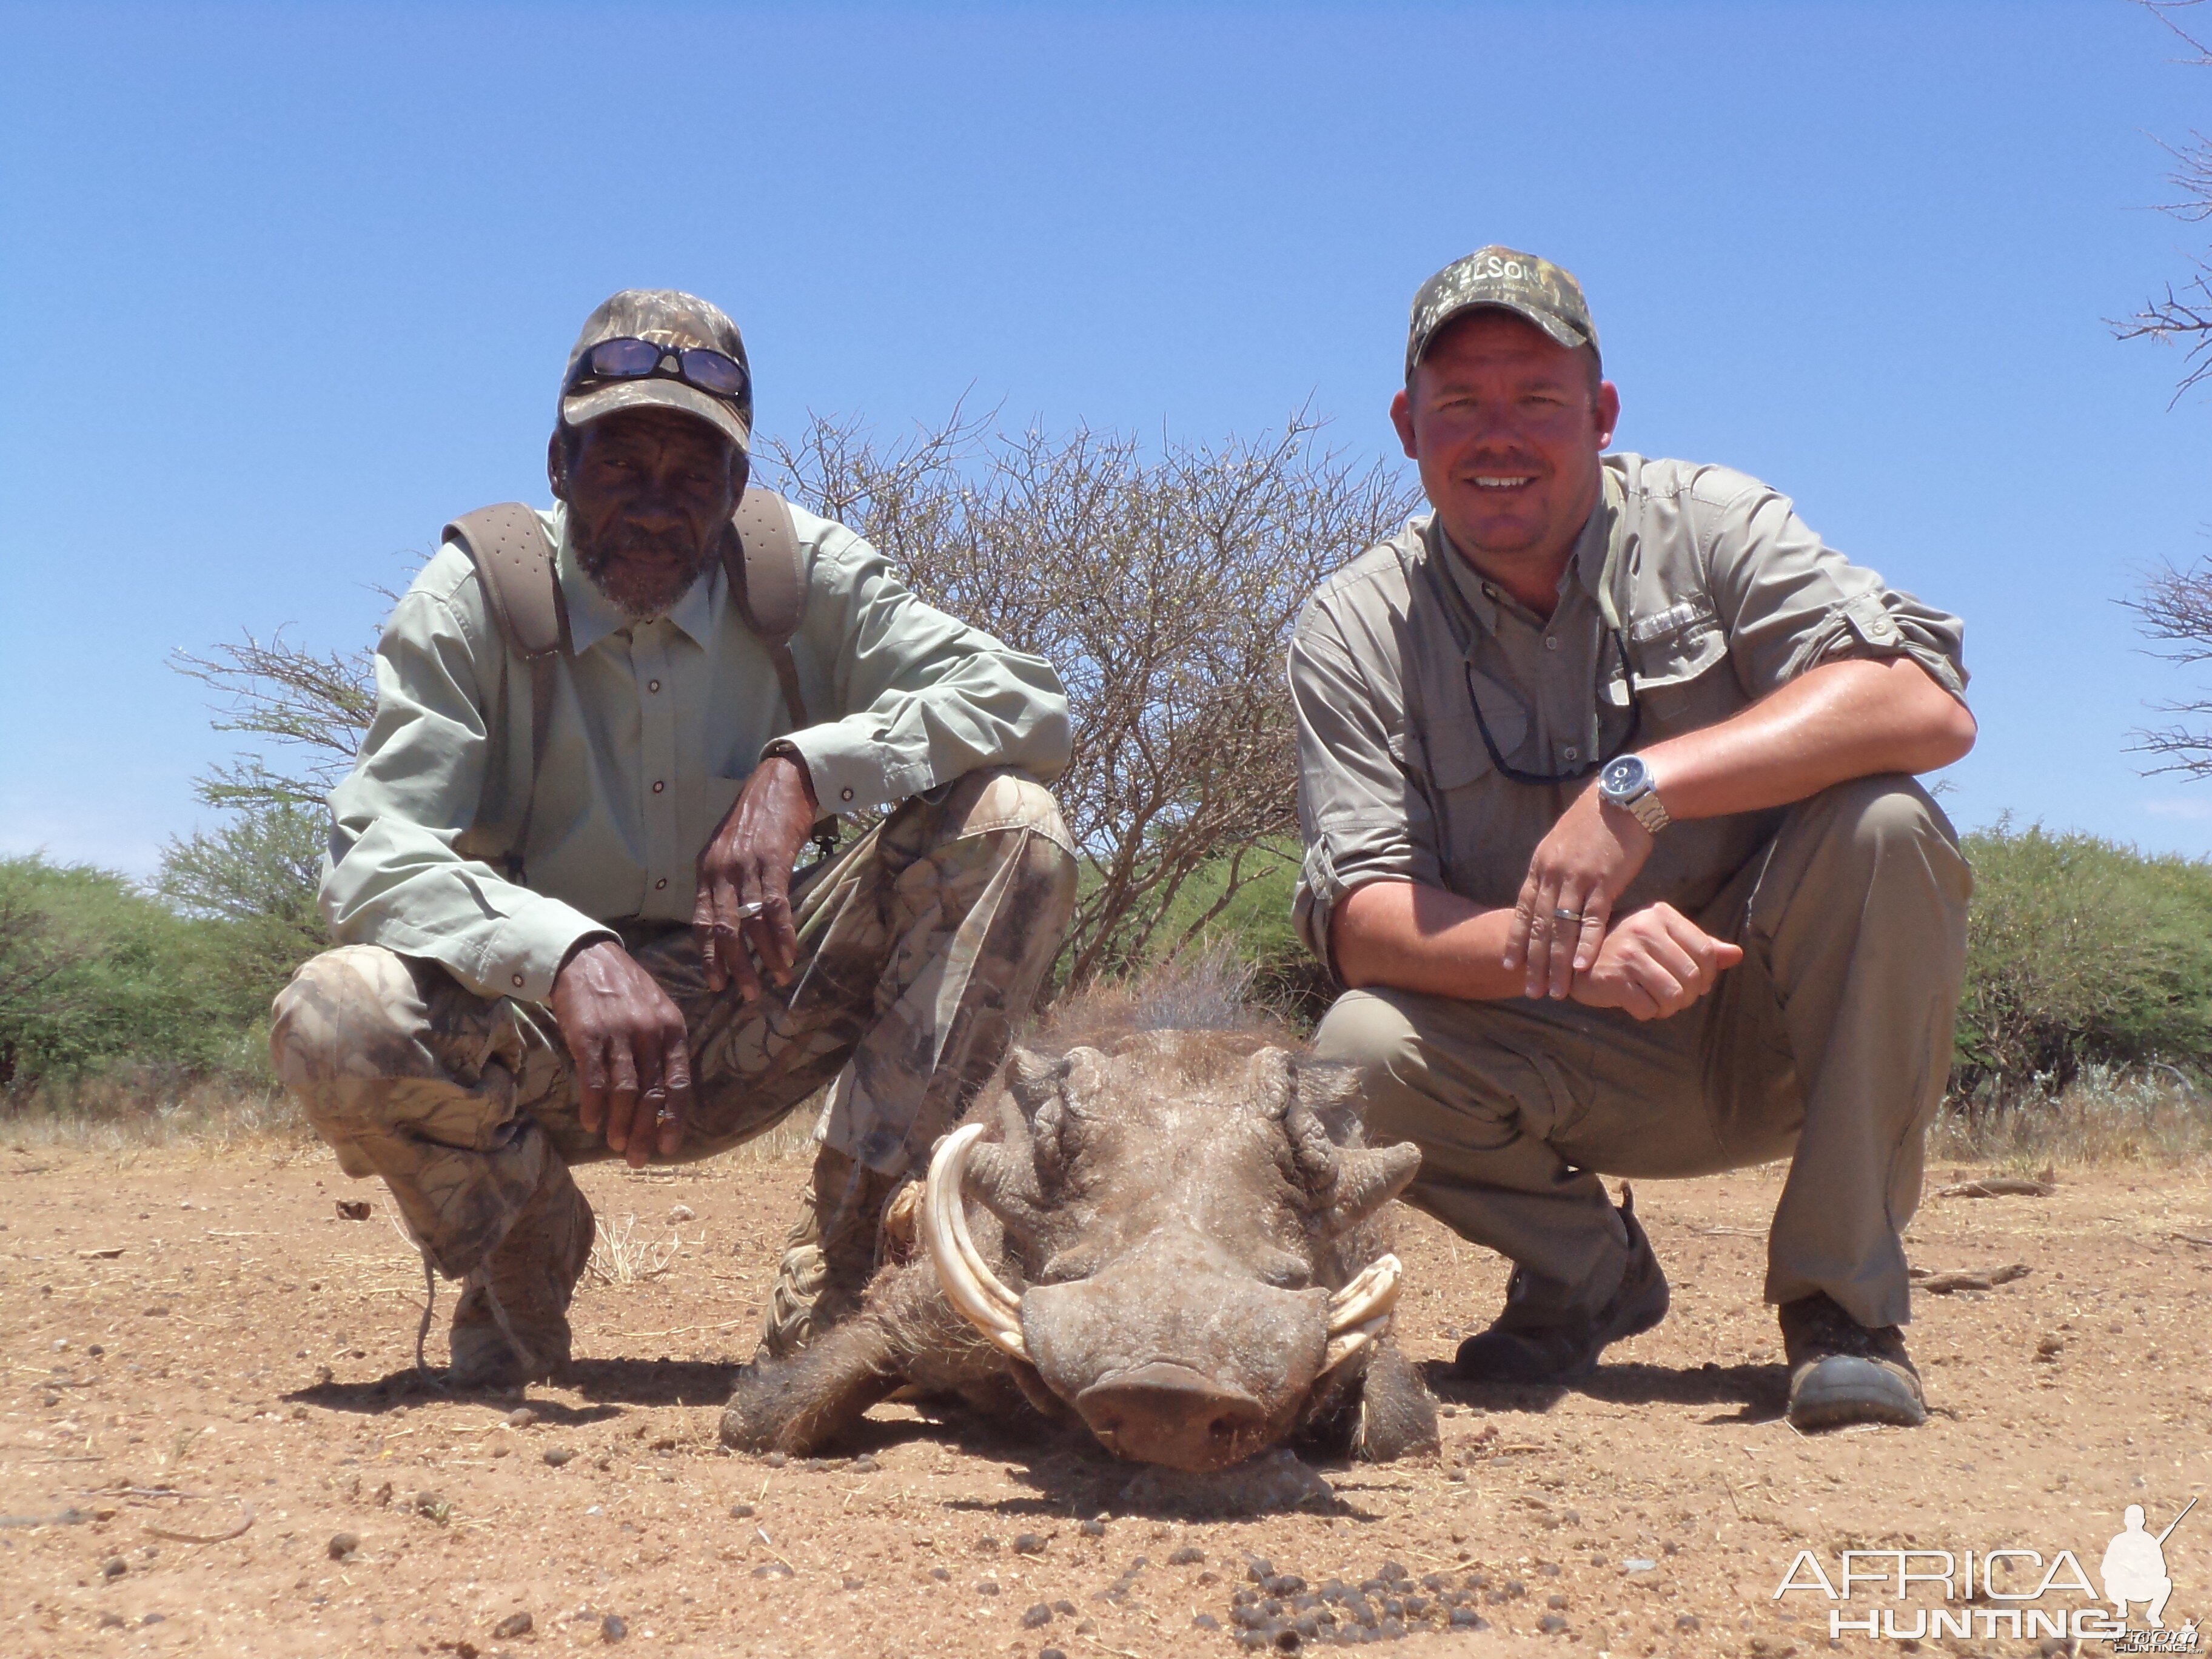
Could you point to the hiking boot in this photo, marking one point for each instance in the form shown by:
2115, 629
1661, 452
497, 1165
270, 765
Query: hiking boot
829, 1256
1535, 1340
1842, 1371
512, 1325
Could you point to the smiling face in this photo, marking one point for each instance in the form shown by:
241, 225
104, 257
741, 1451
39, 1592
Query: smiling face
1507, 426
649, 492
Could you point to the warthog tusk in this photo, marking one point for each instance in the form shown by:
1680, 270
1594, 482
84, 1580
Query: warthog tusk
966, 1278
1362, 1310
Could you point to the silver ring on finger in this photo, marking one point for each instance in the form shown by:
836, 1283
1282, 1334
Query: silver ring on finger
752, 911
1566, 914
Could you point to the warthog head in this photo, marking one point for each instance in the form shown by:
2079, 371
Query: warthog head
1193, 1277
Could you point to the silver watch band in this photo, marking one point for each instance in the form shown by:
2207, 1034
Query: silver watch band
1650, 810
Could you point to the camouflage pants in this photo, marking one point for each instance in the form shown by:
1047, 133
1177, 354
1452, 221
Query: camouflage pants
918, 946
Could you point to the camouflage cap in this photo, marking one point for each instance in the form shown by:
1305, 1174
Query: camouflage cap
1519, 282
664, 317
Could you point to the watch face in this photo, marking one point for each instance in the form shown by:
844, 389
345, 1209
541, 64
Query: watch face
1621, 775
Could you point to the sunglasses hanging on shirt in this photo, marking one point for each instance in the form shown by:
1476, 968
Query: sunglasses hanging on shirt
1548, 779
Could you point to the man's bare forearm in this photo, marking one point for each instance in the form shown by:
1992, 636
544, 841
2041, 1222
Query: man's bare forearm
1841, 721
1422, 939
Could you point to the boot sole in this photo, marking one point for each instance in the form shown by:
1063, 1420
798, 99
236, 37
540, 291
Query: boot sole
1843, 1390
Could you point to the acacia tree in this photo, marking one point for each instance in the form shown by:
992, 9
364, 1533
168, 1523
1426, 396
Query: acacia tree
1163, 585
307, 716
2175, 605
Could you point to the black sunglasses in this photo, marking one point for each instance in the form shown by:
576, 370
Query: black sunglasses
1628, 742
709, 370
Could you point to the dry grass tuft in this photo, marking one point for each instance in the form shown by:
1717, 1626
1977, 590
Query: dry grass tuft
134, 1114
619, 1256
2107, 1115
1203, 990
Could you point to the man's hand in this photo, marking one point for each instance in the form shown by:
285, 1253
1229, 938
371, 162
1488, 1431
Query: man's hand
1655, 963
633, 1064
744, 909
1581, 867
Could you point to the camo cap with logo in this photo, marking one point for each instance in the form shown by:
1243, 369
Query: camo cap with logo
1519, 282
665, 316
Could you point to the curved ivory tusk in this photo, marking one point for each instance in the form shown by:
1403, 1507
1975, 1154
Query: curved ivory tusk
1374, 1292
1345, 1344
966, 1278
1362, 1311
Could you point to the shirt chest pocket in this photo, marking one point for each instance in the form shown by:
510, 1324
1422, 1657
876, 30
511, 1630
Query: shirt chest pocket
1452, 744
1483, 824
1682, 678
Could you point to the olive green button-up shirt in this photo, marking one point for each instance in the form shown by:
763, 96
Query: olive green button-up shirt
1693, 592
655, 727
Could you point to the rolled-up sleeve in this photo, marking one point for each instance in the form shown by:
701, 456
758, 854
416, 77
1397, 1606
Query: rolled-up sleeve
392, 876
1363, 817
1790, 603
921, 698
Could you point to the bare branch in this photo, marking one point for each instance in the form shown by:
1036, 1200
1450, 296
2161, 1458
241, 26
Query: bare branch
1163, 585
316, 707
2183, 317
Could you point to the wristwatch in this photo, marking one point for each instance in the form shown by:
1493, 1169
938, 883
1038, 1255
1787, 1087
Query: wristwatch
1625, 781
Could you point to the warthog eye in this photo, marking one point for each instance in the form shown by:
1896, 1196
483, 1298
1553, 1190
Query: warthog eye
1282, 1271
1066, 1267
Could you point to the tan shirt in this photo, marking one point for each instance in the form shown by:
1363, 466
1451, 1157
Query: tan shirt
655, 727
1722, 594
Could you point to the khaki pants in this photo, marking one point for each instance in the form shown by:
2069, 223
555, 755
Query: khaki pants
1829, 1044
918, 946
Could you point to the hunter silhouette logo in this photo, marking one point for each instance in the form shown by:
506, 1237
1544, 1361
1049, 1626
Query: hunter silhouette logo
2017, 1593
2134, 1568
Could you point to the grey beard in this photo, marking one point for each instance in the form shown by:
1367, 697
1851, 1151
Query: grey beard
640, 601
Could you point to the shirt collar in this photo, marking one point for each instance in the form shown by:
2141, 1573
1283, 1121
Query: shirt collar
592, 617
1585, 565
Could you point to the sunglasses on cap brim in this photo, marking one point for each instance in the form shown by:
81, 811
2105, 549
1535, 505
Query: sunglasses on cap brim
710, 370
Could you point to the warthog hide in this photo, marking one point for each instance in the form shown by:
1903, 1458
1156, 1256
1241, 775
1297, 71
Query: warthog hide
1174, 1247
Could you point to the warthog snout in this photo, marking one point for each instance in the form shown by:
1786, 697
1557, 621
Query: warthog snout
1170, 1415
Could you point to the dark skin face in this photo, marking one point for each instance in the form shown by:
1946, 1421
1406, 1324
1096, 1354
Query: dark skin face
1508, 429
648, 493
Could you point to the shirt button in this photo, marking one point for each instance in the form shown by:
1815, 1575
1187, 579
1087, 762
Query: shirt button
658, 785
1571, 752
1551, 642
662, 883
845, 794
517, 981
653, 685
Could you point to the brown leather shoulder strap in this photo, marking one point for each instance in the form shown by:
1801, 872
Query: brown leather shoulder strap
767, 573
522, 590
514, 561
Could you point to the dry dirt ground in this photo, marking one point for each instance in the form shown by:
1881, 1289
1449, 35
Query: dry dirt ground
195, 1345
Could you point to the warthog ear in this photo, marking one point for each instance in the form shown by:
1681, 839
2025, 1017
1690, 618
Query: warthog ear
1367, 1179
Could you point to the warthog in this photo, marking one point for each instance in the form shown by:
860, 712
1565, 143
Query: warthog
1174, 1246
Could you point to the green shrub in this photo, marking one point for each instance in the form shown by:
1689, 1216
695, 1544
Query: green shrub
2080, 950
96, 973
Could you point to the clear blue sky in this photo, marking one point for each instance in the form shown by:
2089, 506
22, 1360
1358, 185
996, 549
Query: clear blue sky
283, 287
